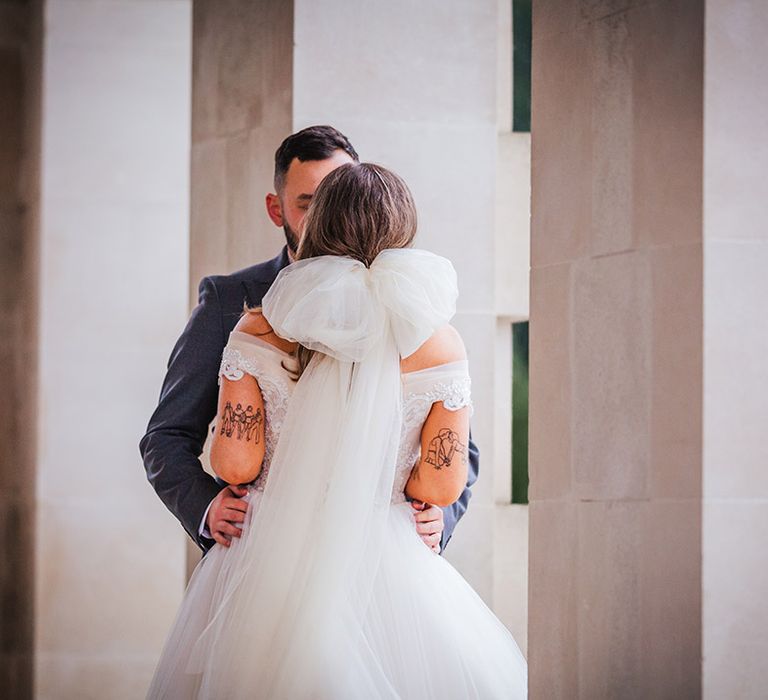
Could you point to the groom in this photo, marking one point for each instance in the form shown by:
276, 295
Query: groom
210, 510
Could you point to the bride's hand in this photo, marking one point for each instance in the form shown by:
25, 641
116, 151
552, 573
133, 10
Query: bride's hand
429, 524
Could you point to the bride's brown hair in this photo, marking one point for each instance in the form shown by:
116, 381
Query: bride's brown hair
358, 210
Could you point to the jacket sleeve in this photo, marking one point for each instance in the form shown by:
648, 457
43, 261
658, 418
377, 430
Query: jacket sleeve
452, 513
178, 428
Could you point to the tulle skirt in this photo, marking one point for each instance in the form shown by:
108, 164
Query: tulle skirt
426, 634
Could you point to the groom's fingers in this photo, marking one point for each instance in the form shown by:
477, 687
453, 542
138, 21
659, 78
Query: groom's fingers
234, 504
429, 528
431, 514
229, 529
234, 516
220, 539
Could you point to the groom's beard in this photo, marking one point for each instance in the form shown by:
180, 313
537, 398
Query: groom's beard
291, 239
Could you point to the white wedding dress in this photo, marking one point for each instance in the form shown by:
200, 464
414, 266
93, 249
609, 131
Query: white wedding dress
330, 593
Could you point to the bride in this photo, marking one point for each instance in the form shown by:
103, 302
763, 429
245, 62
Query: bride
345, 396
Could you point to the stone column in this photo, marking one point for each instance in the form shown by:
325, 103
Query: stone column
735, 464
616, 350
113, 298
242, 91
19, 156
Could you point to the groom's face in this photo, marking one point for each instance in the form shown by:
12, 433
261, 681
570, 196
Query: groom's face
288, 207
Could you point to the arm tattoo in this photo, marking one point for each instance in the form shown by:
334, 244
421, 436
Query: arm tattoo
444, 447
242, 422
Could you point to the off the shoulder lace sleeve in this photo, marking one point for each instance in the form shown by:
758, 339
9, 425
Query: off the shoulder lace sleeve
245, 354
448, 384
455, 393
235, 364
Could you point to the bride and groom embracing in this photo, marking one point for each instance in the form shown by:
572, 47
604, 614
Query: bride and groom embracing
322, 577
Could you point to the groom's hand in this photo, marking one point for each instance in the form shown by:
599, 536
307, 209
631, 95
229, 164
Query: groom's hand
226, 510
429, 524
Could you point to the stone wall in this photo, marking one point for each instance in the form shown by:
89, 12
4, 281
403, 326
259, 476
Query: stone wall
242, 93
616, 350
114, 267
735, 459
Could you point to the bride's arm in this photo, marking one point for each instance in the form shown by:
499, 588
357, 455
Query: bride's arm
237, 450
440, 475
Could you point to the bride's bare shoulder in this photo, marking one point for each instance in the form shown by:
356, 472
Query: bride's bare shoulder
254, 323
444, 345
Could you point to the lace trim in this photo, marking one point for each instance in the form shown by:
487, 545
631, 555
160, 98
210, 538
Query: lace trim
455, 395
234, 366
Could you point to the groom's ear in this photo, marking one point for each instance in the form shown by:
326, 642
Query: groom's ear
274, 209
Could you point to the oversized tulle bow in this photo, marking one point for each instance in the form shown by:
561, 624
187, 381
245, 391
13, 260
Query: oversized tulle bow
338, 306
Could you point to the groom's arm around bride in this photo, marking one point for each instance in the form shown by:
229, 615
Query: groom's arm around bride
178, 428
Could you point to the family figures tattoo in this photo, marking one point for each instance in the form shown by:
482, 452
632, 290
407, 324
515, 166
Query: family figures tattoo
443, 448
244, 422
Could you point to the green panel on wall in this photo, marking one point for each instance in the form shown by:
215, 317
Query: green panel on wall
521, 65
520, 412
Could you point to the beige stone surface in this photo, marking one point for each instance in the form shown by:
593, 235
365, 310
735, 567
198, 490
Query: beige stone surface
736, 348
510, 583
611, 326
616, 350
639, 624
561, 163
736, 118
735, 485
93, 677
613, 114
550, 381
553, 650
735, 580
410, 85
512, 250
676, 368
609, 582
667, 207
109, 568
208, 211
242, 92
671, 598
117, 585
471, 549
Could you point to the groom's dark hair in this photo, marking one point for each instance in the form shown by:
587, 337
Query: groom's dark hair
312, 143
